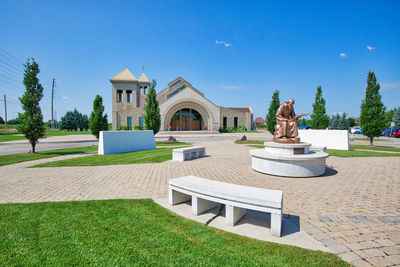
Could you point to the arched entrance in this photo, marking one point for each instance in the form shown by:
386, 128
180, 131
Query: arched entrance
186, 119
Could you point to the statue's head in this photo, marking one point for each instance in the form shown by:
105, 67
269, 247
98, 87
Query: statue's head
291, 101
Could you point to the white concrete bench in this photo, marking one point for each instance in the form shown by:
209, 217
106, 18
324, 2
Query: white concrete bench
188, 153
206, 194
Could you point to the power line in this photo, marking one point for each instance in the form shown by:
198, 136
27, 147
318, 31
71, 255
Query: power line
11, 56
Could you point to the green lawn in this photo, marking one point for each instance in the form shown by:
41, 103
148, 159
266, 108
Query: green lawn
62, 133
252, 131
161, 143
135, 232
252, 142
377, 148
367, 139
358, 153
6, 137
147, 156
15, 158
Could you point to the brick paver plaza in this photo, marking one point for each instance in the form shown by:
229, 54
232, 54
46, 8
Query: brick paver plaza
354, 209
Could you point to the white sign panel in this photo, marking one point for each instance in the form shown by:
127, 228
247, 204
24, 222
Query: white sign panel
116, 142
332, 139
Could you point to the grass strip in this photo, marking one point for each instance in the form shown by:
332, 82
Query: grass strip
6, 137
257, 146
377, 148
359, 153
21, 157
132, 232
146, 156
162, 143
367, 139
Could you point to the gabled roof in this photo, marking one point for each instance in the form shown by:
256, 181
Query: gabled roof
124, 76
143, 78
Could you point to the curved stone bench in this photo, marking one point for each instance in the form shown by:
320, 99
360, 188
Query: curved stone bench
205, 194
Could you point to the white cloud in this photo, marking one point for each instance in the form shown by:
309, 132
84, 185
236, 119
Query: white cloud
390, 86
223, 43
370, 48
343, 55
231, 87
65, 97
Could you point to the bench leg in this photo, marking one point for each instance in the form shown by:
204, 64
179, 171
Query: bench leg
276, 224
200, 206
233, 214
178, 156
176, 197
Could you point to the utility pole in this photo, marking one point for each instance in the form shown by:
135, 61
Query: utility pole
5, 111
52, 100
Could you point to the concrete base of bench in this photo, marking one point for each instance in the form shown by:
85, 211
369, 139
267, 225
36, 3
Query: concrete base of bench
188, 153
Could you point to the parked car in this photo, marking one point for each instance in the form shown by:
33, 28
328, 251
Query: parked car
304, 127
386, 132
356, 130
397, 134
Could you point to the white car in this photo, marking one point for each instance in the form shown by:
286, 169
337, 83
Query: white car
355, 129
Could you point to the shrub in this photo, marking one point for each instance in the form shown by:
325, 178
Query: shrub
137, 127
241, 128
122, 128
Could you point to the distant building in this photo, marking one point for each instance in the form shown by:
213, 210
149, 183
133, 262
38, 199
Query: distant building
259, 121
182, 107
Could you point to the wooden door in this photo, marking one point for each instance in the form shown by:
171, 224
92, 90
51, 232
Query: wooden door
185, 123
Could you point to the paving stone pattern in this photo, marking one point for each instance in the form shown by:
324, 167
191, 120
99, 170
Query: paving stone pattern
354, 209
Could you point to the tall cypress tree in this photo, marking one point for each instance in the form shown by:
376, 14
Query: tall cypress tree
319, 119
372, 116
32, 119
271, 116
152, 118
97, 121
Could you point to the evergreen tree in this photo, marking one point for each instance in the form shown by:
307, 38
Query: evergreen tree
351, 121
372, 117
389, 117
319, 119
152, 118
2, 120
273, 108
97, 121
67, 121
396, 118
32, 125
335, 121
344, 123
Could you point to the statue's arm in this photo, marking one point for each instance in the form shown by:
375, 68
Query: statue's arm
279, 115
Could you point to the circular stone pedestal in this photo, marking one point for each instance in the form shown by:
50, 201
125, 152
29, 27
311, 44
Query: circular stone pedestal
290, 160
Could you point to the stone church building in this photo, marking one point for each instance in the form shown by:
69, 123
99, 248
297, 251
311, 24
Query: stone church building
182, 107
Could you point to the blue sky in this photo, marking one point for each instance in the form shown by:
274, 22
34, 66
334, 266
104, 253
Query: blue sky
235, 52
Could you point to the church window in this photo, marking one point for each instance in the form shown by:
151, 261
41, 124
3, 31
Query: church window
235, 122
129, 96
176, 91
119, 95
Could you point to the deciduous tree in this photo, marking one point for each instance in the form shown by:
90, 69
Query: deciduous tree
32, 125
98, 122
152, 117
271, 116
372, 117
319, 119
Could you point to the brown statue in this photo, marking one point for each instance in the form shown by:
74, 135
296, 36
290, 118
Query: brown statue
286, 124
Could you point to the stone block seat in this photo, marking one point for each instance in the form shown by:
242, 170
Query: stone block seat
188, 153
205, 194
